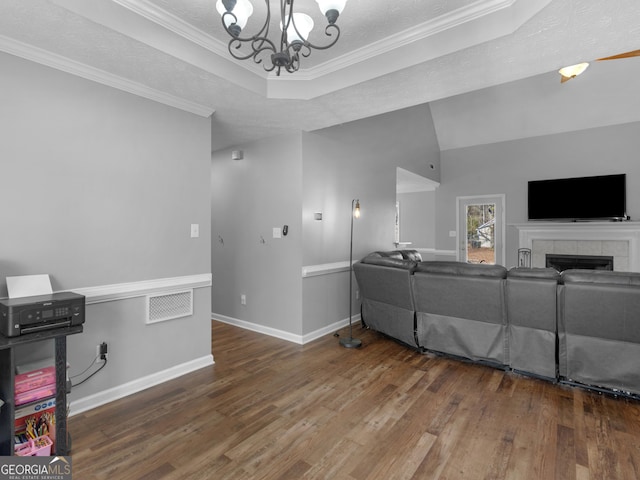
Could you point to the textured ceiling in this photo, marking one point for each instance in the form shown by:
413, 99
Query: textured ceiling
390, 55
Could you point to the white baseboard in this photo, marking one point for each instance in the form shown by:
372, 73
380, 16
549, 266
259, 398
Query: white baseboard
290, 337
97, 399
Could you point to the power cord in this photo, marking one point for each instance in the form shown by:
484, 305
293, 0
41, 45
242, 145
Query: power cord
87, 369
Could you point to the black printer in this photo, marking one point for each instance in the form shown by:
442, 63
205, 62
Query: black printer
19, 316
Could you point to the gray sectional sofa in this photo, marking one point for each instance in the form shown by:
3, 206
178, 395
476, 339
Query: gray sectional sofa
579, 327
599, 329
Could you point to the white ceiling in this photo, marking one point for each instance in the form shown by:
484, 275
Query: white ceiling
390, 55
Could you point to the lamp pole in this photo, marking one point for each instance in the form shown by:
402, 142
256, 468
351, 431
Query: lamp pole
351, 342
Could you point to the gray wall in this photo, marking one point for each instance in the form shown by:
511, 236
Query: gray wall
284, 180
287, 179
100, 187
418, 219
506, 167
359, 160
249, 198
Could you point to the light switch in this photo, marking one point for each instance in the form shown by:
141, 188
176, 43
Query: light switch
277, 232
452, 233
195, 230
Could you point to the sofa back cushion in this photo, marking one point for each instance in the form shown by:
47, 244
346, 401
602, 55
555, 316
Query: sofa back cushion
531, 297
412, 255
394, 262
385, 254
531, 273
601, 277
463, 290
462, 269
601, 304
599, 328
385, 283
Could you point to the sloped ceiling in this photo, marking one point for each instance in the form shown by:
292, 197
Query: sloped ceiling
391, 55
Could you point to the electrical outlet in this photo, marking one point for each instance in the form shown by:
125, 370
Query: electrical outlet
243, 299
101, 352
357, 294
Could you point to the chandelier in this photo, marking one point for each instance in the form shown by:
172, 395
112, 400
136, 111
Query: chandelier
295, 28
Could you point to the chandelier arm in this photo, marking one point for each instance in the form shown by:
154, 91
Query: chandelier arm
305, 50
263, 32
258, 44
288, 55
234, 47
285, 26
328, 33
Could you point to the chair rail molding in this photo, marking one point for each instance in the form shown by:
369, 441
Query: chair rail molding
119, 291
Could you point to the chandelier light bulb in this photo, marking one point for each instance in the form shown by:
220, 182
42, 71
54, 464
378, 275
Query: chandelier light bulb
326, 5
242, 11
303, 24
331, 8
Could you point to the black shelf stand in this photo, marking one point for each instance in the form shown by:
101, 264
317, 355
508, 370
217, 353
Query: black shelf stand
7, 385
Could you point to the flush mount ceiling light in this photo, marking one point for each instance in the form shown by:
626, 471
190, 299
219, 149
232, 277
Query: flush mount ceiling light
567, 73
572, 71
295, 28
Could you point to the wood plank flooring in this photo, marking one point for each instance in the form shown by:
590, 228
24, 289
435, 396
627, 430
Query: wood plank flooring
270, 409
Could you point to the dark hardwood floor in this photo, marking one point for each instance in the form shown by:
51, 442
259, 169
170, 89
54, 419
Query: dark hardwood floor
270, 409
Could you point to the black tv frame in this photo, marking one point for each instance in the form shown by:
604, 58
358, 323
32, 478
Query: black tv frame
594, 198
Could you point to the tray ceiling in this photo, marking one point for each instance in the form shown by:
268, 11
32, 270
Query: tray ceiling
391, 55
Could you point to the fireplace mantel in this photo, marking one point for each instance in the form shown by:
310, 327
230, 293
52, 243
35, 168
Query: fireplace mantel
619, 239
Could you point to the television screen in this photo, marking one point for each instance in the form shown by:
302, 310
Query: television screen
583, 198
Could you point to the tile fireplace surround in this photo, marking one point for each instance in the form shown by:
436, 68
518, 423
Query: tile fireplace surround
621, 240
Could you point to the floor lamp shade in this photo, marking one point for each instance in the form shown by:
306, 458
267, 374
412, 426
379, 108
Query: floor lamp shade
351, 342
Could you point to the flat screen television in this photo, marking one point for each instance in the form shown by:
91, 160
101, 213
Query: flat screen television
578, 199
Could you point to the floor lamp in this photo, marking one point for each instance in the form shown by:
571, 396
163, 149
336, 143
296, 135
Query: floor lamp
351, 342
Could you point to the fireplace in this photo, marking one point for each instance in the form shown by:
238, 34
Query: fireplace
591, 262
620, 240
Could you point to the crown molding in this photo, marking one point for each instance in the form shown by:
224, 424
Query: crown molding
447, 21
174, 24
145, 23
53, 60
437, 37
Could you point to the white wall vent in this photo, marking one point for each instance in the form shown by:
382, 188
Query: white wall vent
167, 306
